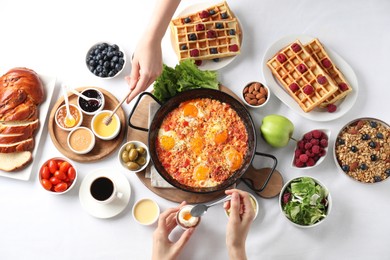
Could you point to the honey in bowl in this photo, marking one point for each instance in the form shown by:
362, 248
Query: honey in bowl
61, 114
101, 129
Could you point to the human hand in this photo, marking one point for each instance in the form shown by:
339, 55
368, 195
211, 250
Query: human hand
240, 219
163, 247
146, 66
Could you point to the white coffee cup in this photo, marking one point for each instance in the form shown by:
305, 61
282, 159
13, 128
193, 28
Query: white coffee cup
104, 190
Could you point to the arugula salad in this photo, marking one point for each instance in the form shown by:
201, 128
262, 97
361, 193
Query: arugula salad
305, 202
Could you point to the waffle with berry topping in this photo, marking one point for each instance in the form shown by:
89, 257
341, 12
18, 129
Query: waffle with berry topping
207, 40
220, 11
317, 51
301, 76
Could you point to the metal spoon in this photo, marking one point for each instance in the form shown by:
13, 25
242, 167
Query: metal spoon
200, 209
69, 120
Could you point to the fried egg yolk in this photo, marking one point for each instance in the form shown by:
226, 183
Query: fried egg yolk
190, 110
234, 159
221, 137
201, 172
167, 142
196, 144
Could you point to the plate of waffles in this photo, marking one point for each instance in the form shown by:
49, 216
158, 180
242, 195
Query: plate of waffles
311, 79
210, 34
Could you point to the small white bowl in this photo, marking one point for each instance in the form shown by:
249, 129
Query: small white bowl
255, 205
87, 140
328, 197
137, 144
92, 66
186, 209
249, 88
63, 108
89, 92
146, 212
98, 121
320, 160
52, 191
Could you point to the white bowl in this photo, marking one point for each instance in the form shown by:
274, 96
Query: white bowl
146, 212
64, 107
321, 159
99, 94
98, 121
88, 57
52, 191
328, 197
255, 205
246, 102
137, 144
81, 140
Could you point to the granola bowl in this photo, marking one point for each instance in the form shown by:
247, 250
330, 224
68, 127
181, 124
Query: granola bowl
362, 150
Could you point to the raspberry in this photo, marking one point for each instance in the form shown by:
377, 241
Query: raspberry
233, 47
315, 149
331, 108
309, 153
200, 27
308, 89
322, 152
294, 87
326, 63
301, 68
204, 14
301, 144
315, 141
198, 62
316, 134
303, 158
298, 163
298, 152
308, 136
324, 143
281, 58
308, 146
194, 53
322, 80
310, 162
295, 47
211, 34
343, 86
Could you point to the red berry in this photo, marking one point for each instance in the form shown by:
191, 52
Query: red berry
308, 146
308, 136
301, 144
204, 14
326, 63
297, 153
233, 47
194, 53
343, 86
308, 89
315, 149
198, 62
301, 68
317, 134
299, 163
294, 87
200, 27
310, 162
303, 158
322, 152
315, 141
331, 108
281, 58
295, 47
324, 143
322, 80
211, 34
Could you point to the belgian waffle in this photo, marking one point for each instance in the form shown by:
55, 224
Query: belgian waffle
217, 39
216, 12
301, 75
317, 51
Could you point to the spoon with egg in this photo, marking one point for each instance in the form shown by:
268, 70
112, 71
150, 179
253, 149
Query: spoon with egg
69, 120
200, 209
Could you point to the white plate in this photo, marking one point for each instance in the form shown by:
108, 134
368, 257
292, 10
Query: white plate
207, 64
97, 209
25, 173
317, 114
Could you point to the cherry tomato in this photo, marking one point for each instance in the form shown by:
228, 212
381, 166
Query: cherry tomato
60, 187
64, 166
71, 173
53, 166
54, 180
45, 172
60, 175
46, 184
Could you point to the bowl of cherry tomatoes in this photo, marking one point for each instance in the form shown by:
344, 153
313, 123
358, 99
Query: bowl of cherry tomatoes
57, 175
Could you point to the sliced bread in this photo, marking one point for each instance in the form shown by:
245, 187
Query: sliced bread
12, 161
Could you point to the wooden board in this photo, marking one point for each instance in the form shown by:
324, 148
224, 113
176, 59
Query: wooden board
102, 148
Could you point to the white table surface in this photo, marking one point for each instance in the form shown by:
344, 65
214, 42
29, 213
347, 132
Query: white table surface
52, 38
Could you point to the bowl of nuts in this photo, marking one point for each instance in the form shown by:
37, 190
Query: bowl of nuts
255, 94
362, 150
134, 156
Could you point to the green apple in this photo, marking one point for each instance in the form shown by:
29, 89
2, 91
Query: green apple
276, 130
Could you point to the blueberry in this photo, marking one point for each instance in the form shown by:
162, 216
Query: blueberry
100, 62
379, 135
373, 157
388, 172
192, 37
115, 58
212, 12
92, 63
216, 60
345, 168
106, 64
99, 68
224, 15
340, 141
111, 73
354, 149
219, 25
187, 20
373, 124
363, 166
365, 137
377, 178
213, 50
183, 47
121, 61
232, 32
372, 144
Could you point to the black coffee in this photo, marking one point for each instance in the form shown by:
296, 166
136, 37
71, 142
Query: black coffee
102, 188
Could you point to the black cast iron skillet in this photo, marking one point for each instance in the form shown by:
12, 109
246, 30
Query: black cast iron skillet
204, 93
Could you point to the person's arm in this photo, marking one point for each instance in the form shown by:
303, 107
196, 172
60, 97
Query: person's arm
147, 60
163, 248
240, 220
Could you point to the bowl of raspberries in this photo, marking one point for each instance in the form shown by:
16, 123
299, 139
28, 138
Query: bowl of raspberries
311, 149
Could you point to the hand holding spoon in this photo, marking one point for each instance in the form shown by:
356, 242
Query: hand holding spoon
200, 209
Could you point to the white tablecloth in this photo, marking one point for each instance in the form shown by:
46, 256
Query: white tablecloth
52, 38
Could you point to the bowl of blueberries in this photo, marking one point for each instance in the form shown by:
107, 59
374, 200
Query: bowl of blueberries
105, 60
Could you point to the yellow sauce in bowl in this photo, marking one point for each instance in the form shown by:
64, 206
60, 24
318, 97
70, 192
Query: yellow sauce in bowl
103, 130
146, 211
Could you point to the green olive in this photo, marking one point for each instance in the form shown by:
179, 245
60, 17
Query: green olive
141, 150
132, 166
125, 156
130, 146
133, 155
141, 160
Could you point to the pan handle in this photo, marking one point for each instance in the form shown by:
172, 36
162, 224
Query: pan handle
135, 108
249, 182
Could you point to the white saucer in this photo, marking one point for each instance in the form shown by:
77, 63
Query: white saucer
97, 209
